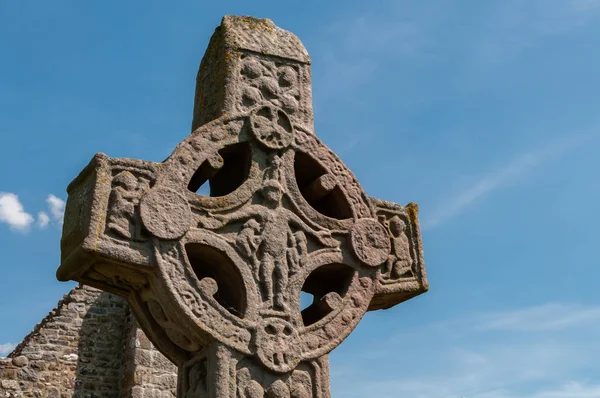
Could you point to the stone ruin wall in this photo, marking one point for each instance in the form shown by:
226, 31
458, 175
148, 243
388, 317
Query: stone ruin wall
88, 346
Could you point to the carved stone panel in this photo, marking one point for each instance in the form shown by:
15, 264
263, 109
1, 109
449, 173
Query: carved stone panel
403, 275
221, 372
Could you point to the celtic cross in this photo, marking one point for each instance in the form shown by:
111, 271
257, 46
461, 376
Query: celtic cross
215, 280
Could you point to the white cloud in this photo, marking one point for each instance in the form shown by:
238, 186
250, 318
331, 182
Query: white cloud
43, 220
57, 207
13, 213
549, 317
6, 349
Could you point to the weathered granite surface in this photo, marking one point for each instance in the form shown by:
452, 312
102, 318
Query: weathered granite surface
215, 281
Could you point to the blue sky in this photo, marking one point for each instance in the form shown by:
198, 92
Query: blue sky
484, 113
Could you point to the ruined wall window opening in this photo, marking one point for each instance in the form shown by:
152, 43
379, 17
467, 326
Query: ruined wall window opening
319, 188
213, 179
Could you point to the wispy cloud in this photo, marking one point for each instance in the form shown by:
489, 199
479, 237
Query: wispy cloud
519, 167
13, 213
342, 75
6, 349
397, 33
479, 362
343, 147
537, 19
359, 42
585, 5
513, 27
549, 317
404, 33
419, 389
568, 390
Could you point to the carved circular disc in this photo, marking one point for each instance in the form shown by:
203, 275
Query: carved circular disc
277, 345
370, 242
271, 127
165, 213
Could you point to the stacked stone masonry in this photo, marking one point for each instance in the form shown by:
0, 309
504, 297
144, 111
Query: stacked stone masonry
88, 346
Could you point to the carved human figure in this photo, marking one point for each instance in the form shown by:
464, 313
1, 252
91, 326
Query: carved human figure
247, 243
297, 250
276, 221
197, 381
399, 264
124, 198
274, 170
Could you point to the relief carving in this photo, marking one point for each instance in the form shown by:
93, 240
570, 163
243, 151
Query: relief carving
267, 227
123, 214
108, 273
197, 377
171, 328
253, 390
298, 384
271, 127
267, 81
301, 384
399, 265
297, 250
247, 243
278, 390
277, 344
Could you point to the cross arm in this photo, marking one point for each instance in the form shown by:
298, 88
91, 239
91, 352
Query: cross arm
103, 243
403, 276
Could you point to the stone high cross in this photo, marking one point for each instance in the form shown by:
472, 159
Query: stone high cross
215, 281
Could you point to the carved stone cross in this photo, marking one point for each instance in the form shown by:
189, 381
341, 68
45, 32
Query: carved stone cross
215, 281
